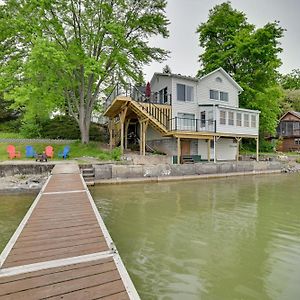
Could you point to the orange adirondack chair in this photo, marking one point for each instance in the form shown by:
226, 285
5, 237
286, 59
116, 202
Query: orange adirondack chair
12, 153
49, 151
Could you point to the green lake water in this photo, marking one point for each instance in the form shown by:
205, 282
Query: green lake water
234, 238
13, 207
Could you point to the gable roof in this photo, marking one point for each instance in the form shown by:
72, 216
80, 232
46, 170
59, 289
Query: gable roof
294, 113
226, 75
179, 76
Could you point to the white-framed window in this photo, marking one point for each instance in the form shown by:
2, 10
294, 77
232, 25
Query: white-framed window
297, 142
213, 94
185, 92
218, 95
224, 96
246, 120
238, 119
186, 121
223, 117
253, 121
202, 118
230, 118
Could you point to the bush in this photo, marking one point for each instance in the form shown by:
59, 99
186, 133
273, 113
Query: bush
31, 129
64, 127
11, 126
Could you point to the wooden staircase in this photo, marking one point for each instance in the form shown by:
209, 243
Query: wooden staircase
158, 117
88, 174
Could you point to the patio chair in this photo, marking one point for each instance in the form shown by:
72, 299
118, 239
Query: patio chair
49, 151
30, 151
12, 153
65, 153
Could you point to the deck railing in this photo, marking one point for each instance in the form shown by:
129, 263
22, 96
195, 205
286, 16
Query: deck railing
160, 111
194, 125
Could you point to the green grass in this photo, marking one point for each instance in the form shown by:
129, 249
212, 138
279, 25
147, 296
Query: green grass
78, 151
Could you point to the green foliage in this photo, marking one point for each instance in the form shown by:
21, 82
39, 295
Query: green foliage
62, 55
291, 81
249, 55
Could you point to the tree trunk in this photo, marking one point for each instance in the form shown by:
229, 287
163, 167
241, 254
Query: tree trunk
85, 132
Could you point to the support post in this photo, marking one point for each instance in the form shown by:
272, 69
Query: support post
145, 125
215, 152
178, 151
141, 137
122, 121
208, 150
126, 133
110, 128
257, 148
238, 139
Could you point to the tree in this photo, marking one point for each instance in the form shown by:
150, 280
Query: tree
68, 52
167, 69
249, 55
291, 81
291, 85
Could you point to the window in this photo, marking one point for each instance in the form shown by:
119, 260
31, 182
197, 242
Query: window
253, 121
223, 117
238, 119
230, 118
185, 92
246, 120
218, 95
297, 142
185, 121
180, 92
214, 94
223, 96
202, 118
218, 79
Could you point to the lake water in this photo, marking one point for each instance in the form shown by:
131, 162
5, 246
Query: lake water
13, 207
217, 239
234, 238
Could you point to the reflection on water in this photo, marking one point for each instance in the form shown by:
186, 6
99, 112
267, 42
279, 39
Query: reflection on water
234, 238
13, 207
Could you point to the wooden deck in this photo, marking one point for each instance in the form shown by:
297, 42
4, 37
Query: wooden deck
62, 249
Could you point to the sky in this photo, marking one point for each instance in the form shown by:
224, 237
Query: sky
186, 15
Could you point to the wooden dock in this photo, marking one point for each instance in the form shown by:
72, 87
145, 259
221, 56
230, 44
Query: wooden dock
62, 249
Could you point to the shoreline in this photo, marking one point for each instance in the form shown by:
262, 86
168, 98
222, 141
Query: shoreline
30, 178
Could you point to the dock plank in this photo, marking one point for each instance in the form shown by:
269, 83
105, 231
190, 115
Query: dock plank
61, 250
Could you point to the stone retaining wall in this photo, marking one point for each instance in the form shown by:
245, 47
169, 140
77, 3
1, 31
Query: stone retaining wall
24, 169
111, 171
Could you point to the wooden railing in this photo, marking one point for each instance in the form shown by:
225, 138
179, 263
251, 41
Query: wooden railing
160, 112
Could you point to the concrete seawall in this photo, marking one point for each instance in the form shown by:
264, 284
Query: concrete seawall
129, 173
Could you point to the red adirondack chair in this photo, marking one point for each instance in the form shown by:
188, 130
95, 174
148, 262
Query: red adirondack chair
49, 151
12, 153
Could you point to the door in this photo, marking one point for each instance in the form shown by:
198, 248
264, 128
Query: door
185, 147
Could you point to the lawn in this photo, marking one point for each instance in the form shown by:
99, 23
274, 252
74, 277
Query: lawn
78, 150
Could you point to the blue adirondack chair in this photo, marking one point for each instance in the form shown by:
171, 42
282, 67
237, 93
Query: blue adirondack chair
30, 151
65, 152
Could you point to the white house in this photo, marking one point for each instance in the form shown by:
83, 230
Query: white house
186, 117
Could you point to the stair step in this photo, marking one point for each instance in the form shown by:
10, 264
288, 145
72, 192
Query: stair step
90, 183
87, 170
86, 176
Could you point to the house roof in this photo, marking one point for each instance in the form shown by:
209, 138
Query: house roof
294, 113
175, 76
203, 77
226, 75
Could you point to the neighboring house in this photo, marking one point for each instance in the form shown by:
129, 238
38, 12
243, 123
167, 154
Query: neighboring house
288, 131
185, 116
